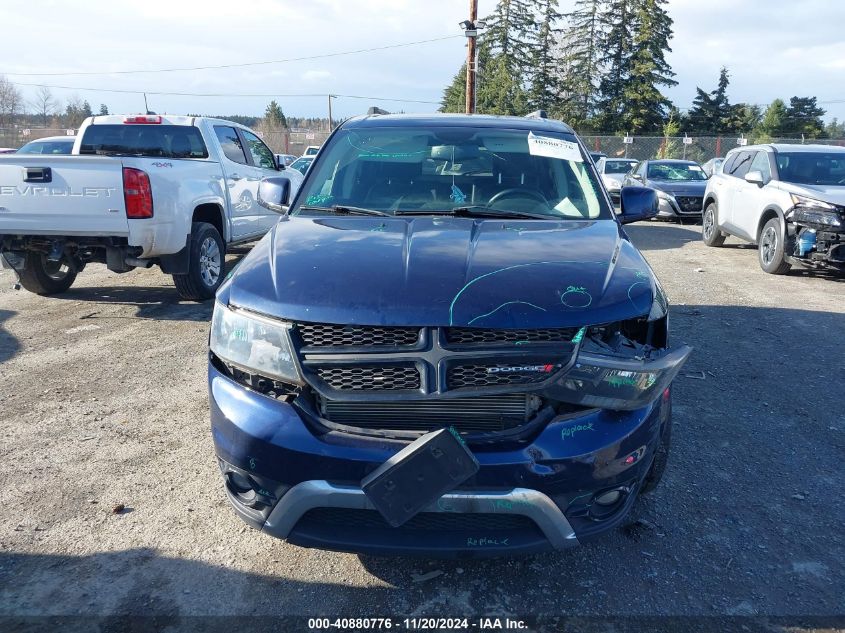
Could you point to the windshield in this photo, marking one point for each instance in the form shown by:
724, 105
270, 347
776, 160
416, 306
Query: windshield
618, 166
168, 141
47, 147
675, 171
419, 170
812, 168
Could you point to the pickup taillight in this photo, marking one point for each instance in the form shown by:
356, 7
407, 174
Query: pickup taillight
137, 193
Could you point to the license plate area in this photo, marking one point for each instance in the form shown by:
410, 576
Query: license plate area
419, 474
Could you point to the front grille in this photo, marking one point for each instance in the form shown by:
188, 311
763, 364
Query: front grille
690, 204
482, 414
461, 376
371, 377
473, 336
331, 335
422, 522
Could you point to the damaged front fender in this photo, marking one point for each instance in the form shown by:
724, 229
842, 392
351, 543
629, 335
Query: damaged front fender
625, 378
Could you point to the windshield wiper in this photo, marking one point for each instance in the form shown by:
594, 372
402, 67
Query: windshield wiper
344, 210
481, 211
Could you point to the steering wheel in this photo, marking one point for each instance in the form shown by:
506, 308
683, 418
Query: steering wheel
515, 192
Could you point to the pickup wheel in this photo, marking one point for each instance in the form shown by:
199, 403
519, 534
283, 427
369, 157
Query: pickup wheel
770, 249
710, 233
207, 263
44, 277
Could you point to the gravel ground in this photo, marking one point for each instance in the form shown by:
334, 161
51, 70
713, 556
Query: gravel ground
103, 405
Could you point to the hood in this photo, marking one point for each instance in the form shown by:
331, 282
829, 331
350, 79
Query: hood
680, 187
613, 181
826, 193
436, 271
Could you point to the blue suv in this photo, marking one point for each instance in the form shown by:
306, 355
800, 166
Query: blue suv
443, 271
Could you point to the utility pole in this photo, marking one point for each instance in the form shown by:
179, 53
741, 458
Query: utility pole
472, 59
330, 111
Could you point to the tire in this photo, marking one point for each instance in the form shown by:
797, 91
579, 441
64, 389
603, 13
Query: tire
660, 461
207, 264
44, 277
770, 249
710, 233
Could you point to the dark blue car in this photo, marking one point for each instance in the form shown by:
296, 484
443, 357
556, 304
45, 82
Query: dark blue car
679, 184
438, 272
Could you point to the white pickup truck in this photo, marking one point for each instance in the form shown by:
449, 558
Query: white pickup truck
137, 191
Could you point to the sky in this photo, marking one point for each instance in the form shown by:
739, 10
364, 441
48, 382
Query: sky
772, 48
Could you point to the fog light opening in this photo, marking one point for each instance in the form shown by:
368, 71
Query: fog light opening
242, 487
608, 498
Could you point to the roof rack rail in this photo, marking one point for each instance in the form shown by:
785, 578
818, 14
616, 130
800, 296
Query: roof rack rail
537, 114
375, 110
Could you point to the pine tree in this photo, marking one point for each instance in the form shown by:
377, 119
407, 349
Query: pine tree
499, 91
804, 117
580, 61
274, 116
615, 48
508, 33
645, 106
711, 112
743, 118
103, 109
544, 86
773, 123
454, 96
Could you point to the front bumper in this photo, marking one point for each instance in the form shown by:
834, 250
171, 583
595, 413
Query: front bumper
528, 496
670, 208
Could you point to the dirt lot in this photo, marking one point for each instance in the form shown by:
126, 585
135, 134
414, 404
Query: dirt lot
103, 402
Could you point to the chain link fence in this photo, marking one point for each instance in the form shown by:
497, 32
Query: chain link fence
17, 136
699, 148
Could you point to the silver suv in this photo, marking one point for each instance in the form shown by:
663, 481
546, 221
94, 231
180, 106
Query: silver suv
787, 199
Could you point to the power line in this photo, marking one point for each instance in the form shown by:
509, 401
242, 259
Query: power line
241, 65
223, 94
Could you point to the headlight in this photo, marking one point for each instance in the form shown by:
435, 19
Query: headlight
668, 197
253, 343
625, 378
812, 211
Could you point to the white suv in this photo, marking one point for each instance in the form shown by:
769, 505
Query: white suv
787, 199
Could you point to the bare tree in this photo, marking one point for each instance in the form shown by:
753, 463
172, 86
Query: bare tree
11, 102
44, 104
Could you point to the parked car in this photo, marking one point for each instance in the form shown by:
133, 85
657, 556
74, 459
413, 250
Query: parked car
787, 199
302, 164
311, 150
612, 172
285, 159
140, 190
49, 145
7, 150
434, 272
597, 156
712, 166
680, 186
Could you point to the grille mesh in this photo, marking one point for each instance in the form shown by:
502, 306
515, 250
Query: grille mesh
467, 415
478, 376
469, 336
690, 204
371, 377
331, 335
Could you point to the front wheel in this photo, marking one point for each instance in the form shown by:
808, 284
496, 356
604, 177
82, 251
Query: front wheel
710, 233
45, 277
770, 249
207, 261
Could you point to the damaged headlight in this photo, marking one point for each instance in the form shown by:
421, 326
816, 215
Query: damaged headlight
811, 211
619, 374
253, 343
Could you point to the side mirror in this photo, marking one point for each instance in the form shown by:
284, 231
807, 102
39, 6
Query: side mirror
636, 176
637, 203
274, 194
755, 178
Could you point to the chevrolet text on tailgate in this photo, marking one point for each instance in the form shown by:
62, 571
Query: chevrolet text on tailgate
447, 345
137, 191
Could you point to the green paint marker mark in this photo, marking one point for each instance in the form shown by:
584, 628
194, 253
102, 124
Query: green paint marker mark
579, 335
570, 431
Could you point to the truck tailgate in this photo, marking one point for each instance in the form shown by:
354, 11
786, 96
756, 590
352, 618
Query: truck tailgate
62, 195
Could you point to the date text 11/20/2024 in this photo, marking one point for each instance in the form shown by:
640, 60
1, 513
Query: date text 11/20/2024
417, 624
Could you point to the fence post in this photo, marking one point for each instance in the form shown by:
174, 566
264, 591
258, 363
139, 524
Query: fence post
718, 146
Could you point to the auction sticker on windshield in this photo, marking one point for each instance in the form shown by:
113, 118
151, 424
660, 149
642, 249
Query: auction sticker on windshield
553, 148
